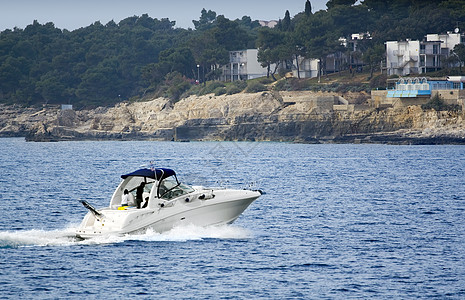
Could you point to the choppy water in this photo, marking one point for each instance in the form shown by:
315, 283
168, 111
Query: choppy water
337, 222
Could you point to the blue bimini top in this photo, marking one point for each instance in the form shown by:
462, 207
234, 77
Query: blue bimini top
158, 173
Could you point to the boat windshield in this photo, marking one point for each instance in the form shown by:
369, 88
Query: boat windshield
170, 188
135, 181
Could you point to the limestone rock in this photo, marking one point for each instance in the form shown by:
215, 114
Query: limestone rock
276, 116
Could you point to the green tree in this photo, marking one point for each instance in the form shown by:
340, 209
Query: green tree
208, 54
286, 23
206, 21
456, 8
459, 53
272, 49
180, 60
308, 8
12, 71
297, 48
229, 34
373, 57
318, 36
93, 65
51, 87
333, 3
346, 20
102, 84
175, 85
250, 28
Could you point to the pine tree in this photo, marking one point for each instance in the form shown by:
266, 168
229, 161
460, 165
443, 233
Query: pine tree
286, 25
308, 8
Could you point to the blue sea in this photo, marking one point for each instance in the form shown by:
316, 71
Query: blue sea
336, 222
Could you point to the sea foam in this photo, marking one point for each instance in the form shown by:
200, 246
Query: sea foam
66, 237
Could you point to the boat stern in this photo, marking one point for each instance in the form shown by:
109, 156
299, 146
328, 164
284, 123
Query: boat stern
109, 222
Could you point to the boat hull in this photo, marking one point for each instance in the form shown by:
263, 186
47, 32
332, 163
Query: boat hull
224, 208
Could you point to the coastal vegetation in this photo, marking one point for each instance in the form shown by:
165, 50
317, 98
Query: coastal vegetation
437, 103
103, 64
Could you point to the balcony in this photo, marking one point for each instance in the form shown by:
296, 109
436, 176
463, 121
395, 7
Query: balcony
429, 51
238, 60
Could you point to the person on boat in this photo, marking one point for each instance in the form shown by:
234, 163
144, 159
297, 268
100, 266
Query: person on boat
125, 198
139, 194
146, 202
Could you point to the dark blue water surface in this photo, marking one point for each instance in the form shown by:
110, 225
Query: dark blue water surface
336, 222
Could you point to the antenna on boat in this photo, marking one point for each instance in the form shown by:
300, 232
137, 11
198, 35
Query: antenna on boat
151, 165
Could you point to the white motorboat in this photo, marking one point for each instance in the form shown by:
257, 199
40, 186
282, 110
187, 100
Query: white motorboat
166, 203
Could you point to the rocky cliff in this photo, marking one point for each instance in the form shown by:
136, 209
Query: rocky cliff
268, 116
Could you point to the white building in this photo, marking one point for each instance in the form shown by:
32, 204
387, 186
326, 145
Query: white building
403, 58
354, 39
415, 57
448, 40
430, 56
308, 68
243, 65
270, 24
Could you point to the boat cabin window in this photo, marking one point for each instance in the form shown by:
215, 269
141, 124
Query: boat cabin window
170, 188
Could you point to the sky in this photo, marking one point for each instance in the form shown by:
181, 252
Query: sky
74, 14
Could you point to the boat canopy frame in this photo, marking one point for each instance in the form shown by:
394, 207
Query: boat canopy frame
158, 174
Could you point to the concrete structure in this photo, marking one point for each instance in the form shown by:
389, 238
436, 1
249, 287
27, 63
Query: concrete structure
418, 91
419, 57
410, 88
243, 65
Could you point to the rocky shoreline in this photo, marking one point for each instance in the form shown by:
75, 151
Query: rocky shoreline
303, 117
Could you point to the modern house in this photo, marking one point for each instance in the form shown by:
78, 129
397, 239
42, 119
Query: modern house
448, 40
243, 65
419, 57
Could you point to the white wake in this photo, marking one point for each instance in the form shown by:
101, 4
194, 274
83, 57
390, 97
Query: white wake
66, 237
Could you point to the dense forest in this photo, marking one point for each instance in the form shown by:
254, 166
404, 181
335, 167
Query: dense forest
103, 64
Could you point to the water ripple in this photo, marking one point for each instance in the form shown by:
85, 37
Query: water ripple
337, 222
